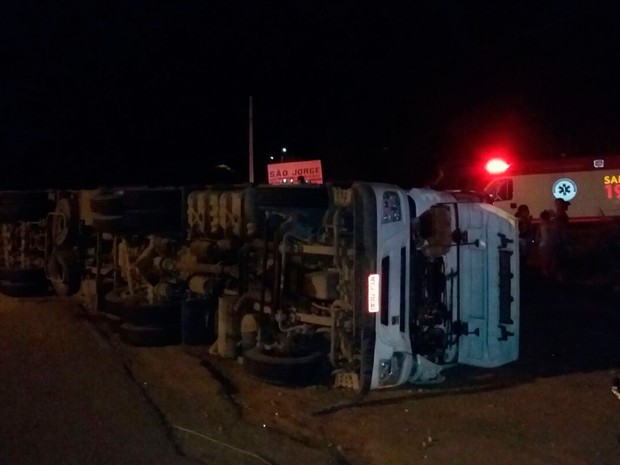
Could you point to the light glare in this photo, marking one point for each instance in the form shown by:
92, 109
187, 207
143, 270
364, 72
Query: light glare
496, 166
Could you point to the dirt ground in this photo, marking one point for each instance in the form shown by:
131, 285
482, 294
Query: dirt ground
552, 407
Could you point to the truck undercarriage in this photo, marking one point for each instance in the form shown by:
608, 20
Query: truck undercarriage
362, 286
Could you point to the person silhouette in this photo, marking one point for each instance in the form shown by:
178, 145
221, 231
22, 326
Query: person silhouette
526, 232
560, 252
543, 241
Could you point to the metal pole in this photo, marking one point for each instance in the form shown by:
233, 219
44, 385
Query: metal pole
251, 143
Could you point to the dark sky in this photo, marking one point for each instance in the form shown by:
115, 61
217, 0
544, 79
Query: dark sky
145, 91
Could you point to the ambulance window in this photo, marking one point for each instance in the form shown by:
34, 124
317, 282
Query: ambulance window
501, 189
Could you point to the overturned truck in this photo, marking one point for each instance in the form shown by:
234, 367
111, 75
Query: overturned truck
363, 286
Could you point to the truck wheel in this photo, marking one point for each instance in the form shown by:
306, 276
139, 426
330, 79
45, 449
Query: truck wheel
114, 303
24, 289
284, 371
107, 204
147, 336
63, 268
20, 275
65, 223
30, 282
164, 315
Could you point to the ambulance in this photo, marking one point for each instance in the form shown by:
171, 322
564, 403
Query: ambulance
590, 184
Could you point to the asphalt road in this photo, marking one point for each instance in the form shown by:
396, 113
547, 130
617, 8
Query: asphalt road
66, 397
69, 396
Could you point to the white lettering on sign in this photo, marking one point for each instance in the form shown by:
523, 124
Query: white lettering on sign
297, 171
374, 303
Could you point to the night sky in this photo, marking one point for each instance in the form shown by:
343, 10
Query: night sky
99, 93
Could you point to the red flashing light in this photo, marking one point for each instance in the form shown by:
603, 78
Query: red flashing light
496, 166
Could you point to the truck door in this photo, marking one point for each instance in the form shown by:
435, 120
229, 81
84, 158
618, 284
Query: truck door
392, 356
488, 285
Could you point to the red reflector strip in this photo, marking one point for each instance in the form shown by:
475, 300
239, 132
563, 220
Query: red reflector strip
374, 302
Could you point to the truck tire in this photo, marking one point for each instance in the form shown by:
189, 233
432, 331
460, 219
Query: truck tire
29, 282
24, 289
63, 270
114, 302
284, 371
107, 204
147, 336
65, 223
164, 315
21, 275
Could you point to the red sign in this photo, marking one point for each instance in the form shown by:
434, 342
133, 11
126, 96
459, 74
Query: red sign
295, 172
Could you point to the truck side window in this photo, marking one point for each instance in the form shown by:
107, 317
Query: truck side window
391, 208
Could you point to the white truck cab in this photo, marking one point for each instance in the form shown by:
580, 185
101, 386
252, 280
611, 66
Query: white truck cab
446, 289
